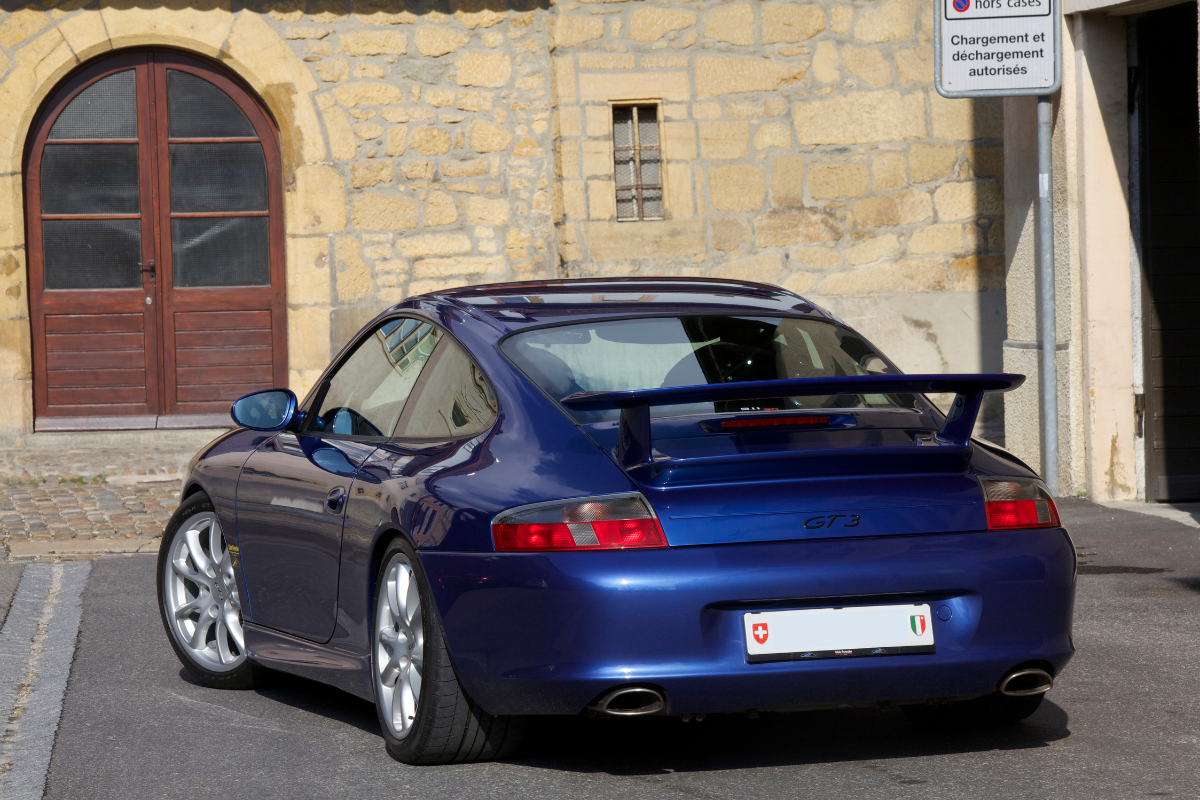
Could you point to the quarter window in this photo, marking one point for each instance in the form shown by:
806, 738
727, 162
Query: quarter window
366, 395
453, 400
637, 158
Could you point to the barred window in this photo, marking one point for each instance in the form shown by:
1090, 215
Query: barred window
638, 162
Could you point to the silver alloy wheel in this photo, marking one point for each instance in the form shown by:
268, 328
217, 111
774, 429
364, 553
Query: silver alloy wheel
203, 606
399, 647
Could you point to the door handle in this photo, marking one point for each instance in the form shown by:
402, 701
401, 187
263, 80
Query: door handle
148, 266
337, 497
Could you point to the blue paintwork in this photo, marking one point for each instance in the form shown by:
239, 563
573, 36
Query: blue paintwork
873, 509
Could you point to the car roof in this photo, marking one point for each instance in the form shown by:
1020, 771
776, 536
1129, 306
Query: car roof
516, 305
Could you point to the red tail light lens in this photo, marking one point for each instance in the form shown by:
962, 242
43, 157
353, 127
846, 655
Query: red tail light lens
611, 522
1018, 503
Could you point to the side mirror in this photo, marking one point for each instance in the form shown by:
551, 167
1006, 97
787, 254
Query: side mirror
268, 410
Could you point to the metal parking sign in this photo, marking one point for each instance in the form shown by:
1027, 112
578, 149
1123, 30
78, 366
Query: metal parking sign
997, 48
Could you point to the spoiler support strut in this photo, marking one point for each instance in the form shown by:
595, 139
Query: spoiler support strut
633, 441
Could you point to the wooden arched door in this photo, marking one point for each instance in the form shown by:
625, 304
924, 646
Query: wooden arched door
154, 208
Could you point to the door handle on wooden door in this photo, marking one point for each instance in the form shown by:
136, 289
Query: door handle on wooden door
148, 266
337, 496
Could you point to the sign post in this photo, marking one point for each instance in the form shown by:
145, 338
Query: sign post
1012, 48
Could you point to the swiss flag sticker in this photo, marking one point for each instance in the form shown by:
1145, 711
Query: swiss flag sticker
760, 632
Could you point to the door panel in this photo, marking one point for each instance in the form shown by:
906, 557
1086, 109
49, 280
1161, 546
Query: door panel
154, 199
290, 532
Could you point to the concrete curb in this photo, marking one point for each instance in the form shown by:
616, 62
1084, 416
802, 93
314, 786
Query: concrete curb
80, 548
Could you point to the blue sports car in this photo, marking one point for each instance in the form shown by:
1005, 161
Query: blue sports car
618, 497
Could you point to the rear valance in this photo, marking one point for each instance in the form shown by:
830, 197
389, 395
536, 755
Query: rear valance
634, 447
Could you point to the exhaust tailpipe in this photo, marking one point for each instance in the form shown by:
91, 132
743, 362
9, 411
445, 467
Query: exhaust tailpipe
1025, 682
631, 701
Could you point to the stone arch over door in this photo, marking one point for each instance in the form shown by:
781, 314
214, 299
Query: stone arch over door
245, 45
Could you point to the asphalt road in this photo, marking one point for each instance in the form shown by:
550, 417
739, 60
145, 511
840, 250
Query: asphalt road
1123, 721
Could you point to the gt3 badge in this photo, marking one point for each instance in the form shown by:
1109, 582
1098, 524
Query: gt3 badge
917, 622
760, 632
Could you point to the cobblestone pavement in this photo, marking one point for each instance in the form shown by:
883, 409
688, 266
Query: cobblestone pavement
73, 495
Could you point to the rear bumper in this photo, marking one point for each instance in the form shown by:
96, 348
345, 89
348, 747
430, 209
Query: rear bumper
546, 633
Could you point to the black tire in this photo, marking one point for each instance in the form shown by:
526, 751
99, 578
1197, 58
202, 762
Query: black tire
991, 709
246, 674
448, 726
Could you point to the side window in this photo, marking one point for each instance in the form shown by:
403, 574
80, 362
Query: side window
454, 398
365, 396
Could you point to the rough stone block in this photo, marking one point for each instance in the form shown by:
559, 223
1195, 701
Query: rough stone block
458, 265
474, 101
737, 187
929, 162
464, 169
827, 181
489, 70
679, 141
371, 94
679, 190
601, 87
317, 204
602, 199
785, 226
430, 141
900, 276
572, 30
334, 71
308, 337
598, 120
717, 76
815, 257
936, 239
733, 23
728, 233
787, 181
597, 158
368, 130
889, 170
986, 161
439, 210
396, 140
800, 282
606, 61
21, 24
773, 134
488, 137
760, 268
373, 172
966, 120
826, 64
789, 23
562, 85
865, 117
915, 64
969, 199
483, 211
843, 17
978, 274
384, 211
899, 208
373, 43
869, 64
574, 204
888, 21
610, 241
872, 250
649, 24
724, 139
436, 41
353, 277
439, 244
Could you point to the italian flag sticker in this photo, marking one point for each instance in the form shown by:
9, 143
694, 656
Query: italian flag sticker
917, 622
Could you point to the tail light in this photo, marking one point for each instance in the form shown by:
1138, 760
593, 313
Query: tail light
1018, 503
609, 522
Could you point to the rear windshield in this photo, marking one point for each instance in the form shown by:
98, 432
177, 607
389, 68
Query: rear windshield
646, 353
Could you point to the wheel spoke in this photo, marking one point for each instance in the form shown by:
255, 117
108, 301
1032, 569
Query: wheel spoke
233, 622
390, 671
199, 557
182, 571
408, 699
393, 594
200, 635
222, 642
187, 608
412, 603
417, 656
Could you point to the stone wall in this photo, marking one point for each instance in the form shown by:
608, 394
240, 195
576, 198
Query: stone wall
435, 144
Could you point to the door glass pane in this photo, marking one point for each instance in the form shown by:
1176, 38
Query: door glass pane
455, 400
218, 177
92, 253
105, 110
196, 109
222, 251
90, 179
367, 393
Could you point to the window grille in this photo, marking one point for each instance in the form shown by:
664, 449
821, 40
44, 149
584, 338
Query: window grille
637, 160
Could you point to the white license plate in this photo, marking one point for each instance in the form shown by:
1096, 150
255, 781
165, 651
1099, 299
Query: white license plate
814, 633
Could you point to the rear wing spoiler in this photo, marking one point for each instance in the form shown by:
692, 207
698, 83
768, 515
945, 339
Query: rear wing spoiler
633, 442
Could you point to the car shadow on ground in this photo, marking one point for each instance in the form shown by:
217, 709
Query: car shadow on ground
660, 745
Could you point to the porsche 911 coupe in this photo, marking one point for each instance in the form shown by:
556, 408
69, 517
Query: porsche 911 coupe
618, 497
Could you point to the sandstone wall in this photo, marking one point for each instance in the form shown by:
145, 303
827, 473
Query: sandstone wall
436, 144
